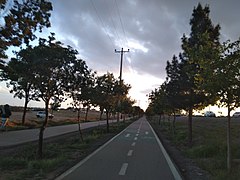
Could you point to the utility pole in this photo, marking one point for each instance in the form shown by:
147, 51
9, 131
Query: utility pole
122, 51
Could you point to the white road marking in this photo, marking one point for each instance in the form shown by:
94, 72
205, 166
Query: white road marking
168, 159
130, 152
134, 143
127, 135
69, 171
135, 138
123, 169
146, 132
137, 134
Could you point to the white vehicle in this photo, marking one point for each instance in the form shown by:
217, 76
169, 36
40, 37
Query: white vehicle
209, 114
236, 114
42, 114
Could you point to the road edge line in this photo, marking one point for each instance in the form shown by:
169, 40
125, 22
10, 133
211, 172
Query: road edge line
171, 165
69, 171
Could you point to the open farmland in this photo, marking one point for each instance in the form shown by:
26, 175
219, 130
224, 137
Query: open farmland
209, 148
60, 117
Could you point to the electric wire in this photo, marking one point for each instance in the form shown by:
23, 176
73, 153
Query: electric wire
101, 21
112, 21
119, 15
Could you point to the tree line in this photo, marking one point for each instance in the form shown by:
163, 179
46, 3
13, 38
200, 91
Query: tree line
206, 72
51, 71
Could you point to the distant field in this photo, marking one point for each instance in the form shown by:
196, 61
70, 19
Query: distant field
62, 116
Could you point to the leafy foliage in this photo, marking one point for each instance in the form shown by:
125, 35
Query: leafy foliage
23, 19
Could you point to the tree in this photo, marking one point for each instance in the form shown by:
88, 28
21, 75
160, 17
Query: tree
159, 102
126, 106
80, 87
226, 84
108, 90
172, 87
105, 85
199, 52
51, 77
21, 21
18, 71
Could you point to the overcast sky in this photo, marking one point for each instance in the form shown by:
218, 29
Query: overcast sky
151, 29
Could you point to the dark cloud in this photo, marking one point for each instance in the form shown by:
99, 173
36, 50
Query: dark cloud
95, 29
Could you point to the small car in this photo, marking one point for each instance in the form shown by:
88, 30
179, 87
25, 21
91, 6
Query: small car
236, 114
209, 114
42, 114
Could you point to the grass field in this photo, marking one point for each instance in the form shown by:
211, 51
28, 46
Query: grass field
209, 148
60, 117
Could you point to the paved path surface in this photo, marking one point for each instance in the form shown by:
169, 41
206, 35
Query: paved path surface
134, 154
11, 138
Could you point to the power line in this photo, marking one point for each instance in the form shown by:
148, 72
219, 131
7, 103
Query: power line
119, 15
101, 21
112, 21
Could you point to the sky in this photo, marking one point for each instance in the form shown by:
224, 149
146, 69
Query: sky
150, 29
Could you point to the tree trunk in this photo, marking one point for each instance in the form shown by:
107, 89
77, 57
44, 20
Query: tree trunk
79, 125
174, 123
86, 115
42, 128
25, 108
159, 119
101, 113
229, 154
190, 127
118, 116
107, 114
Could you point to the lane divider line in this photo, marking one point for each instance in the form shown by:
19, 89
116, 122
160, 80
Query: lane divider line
69, 171
134, 144
123, 169
130, 152
127, 135
135, 138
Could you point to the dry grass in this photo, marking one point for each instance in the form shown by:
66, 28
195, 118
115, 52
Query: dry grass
60, 117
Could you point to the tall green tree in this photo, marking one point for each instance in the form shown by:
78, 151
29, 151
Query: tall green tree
19, 71
80, 89
158, 102
226, 84
127, 106
108, 90
105, 85
51, 77
200, 50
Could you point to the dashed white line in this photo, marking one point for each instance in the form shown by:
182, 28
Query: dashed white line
127, 135
137, 134
134, 144
123, 169
135, 138
130, 152
146, 132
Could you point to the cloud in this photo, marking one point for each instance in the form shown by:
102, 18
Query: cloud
151, 29
96, 28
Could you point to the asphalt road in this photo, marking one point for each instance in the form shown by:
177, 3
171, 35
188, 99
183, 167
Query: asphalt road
11, 138
134, 154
